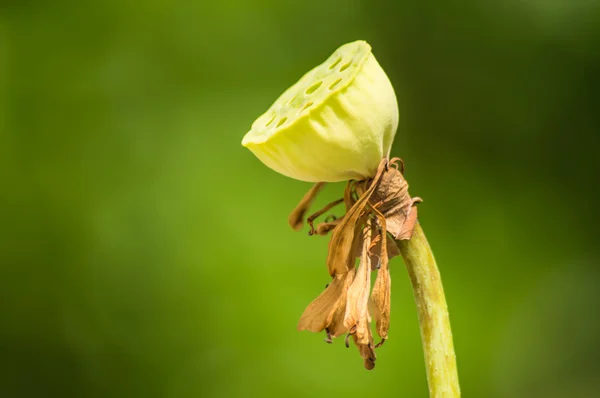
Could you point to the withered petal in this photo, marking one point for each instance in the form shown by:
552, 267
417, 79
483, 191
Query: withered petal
343, 235
326, 310
357, 303
381, 299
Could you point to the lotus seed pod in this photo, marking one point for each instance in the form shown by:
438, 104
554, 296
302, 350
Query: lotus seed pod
336, 123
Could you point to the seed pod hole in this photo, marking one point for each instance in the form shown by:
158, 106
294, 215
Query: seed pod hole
314, 87
281, 121
305, 107
345, 66
270, 121
335, 63
335, 83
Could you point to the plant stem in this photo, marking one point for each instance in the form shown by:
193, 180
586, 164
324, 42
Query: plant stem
440, 360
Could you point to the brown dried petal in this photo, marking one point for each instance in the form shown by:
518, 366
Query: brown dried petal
296, 218
327, 309
380, 299
357, 304
340, 246
336, 321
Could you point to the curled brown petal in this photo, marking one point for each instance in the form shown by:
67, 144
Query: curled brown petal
343, 234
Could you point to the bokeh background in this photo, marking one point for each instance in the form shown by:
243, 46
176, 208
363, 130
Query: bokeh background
145, 253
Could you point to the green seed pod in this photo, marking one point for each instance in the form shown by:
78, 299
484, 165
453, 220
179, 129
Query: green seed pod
336, 123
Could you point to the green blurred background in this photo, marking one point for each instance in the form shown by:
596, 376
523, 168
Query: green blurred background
145, 253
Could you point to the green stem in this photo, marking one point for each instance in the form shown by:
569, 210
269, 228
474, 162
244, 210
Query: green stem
440, 360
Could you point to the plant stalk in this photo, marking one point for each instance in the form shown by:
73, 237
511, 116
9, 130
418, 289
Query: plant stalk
434, 321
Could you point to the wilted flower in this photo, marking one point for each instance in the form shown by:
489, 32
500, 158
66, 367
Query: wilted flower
378, 210
338, 123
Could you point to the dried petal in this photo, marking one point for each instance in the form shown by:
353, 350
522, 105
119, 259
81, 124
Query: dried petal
357, 306
327, 309
380, 299
336, 323
340, 253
